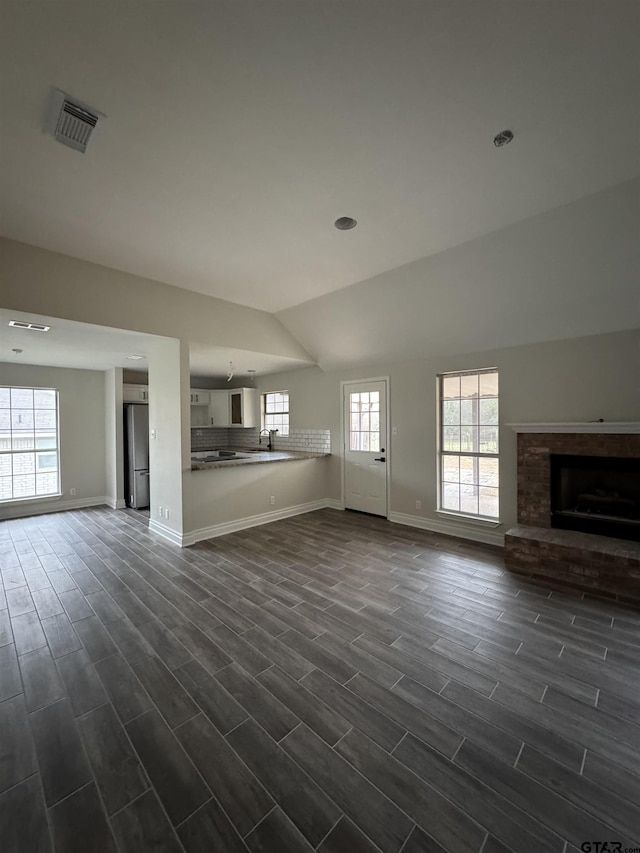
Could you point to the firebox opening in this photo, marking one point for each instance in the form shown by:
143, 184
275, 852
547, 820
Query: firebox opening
596, 494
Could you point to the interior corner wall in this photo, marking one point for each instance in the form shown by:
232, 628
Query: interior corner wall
114, 438
82, 434
581, 379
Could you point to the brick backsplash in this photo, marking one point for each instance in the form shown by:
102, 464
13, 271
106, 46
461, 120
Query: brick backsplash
213, 438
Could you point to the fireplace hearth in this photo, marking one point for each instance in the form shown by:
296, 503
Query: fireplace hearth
596, 494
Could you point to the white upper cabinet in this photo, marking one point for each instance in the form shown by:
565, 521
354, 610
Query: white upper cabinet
219, 412
135, 393
243, 406
199, 397
224, 408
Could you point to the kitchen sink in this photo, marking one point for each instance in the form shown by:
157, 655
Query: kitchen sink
218, 456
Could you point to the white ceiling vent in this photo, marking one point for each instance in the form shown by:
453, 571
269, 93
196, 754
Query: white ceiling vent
35, 327
71, 121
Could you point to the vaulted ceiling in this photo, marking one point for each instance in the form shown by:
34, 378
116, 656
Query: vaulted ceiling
237, 132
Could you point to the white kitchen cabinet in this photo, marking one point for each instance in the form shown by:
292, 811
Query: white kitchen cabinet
219, 411
243, 407
199, 397
135, 393
200, 401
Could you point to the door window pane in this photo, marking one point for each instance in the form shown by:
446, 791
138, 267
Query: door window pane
364, 421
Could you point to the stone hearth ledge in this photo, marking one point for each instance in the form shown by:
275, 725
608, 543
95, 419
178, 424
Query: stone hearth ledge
588, 562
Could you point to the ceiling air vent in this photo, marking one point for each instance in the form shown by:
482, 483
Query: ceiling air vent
36, 327
71, 121
75, 126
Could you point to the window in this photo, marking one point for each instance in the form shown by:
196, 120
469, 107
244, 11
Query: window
275, 412
468, 451
29, 453
364, 421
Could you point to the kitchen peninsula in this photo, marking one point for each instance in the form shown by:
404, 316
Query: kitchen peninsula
250, 458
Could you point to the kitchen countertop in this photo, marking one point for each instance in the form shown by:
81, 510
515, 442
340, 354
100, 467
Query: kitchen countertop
259, 458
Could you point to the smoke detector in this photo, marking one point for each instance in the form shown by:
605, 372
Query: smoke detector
71, 121
345, 223
503, 138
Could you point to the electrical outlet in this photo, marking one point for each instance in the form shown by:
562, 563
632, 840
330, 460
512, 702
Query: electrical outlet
154, 433
160, 512
272, 500
166, 512
418, 504
72, 491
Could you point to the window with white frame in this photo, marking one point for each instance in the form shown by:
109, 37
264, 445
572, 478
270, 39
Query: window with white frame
29, 446
275, 411
468, 445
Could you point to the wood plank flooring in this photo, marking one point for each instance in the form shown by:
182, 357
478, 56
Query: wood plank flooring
330, 682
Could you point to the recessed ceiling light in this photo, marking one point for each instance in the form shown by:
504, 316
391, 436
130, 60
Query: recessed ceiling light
345, 223
35, 327
135, 357
502, 138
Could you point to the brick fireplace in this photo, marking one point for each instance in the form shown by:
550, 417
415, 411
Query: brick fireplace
540, 545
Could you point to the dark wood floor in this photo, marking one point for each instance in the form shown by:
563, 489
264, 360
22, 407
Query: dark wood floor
329, 682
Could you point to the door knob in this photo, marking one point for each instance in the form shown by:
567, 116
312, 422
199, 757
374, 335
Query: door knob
380, 459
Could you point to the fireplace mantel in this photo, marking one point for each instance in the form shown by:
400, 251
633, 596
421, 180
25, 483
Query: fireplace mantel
597, 427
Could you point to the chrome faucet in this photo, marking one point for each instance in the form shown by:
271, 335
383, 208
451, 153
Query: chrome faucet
270, 433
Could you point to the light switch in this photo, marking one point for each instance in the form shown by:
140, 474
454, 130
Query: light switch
153, 433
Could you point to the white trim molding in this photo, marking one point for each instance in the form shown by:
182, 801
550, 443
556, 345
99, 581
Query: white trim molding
116, 503
597, 427
167, 533
251, 521
27, 508
461, 530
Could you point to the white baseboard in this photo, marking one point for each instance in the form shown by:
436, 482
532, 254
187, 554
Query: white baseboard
36, 507
167, 533
255, 520
332, 503
459, 529
116, 503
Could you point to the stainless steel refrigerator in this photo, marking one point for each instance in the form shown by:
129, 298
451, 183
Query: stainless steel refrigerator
136, 430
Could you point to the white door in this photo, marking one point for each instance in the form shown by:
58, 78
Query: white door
365, 445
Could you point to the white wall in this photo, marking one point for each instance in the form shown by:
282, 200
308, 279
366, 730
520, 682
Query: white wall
169, 451
82, 433
54, 285
225, 499
569, 272
575, 380
114, 438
